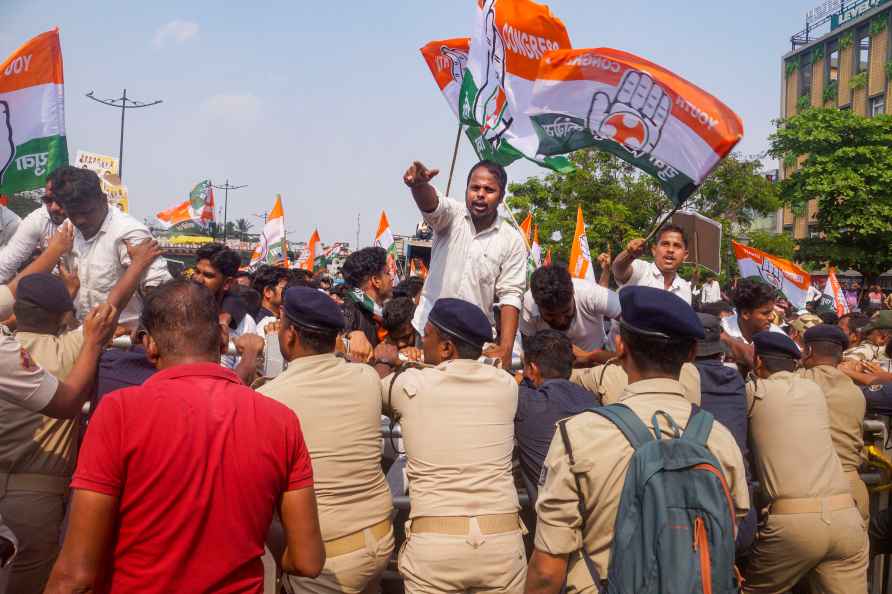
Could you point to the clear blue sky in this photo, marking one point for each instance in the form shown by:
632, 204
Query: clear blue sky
328, 102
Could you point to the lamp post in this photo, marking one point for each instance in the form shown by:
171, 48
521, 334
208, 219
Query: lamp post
226, 187
123, 103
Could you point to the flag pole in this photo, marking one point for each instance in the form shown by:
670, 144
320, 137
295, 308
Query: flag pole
454, 156
659, 226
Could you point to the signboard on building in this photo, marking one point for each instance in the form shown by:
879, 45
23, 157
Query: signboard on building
850, 11
106, 168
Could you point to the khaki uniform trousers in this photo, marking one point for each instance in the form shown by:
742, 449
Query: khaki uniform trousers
480, 558
860, 493
35, 517
354, 572
829, 548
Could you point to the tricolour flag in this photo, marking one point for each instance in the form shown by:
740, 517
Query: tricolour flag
833, 290
526, 228
198, 209
384, 239
509, 39
786, 277
447, 59
535, 248
272, 247
580, 257
32, 114
635, 109
307, 259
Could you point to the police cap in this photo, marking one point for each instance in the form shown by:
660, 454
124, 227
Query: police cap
312, 309
45, 291
461, 319
826, 333
775, 344
658, 314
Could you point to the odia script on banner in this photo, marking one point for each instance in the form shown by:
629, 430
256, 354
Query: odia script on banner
789, 279
635, 109
106, 167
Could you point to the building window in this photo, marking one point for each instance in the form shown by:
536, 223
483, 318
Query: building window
863, 55
877, 106
813, 232
788, 229
805, 76
833, 62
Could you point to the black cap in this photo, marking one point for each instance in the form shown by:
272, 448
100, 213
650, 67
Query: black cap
775, 344
711, 343
461, 319
826, 333
310, 308
46, 291
658, 313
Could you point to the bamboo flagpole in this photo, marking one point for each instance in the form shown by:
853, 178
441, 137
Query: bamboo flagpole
454, 157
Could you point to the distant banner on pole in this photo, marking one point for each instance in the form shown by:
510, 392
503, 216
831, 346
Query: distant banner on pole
32, 114
106, 167
785, 276
272, 248
580, 256
384, 239
635, 109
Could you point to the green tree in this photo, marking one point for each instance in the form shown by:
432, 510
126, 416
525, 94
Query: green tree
778, 244
847, 168
243, 226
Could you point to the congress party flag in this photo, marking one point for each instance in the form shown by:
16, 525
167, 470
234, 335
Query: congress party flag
384, 239
786, 277
509, 39
198, 209
307, 259
447, 59
635, 109
272, 247
833, 291
32, 114
417, 267
580, 257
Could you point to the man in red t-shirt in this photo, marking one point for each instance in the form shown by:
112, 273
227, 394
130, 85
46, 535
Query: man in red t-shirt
178, 478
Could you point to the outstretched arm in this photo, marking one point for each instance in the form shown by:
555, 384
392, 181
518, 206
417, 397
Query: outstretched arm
622, 265
418, 178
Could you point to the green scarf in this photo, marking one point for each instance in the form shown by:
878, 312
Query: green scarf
362, 300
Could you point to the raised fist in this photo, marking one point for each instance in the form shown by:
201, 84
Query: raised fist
633, 118
7, 148
418, 174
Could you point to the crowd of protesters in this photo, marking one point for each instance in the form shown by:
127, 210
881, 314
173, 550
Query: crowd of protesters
162, 434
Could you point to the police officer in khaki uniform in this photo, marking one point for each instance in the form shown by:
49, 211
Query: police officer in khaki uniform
339, 407
457, 418
812, 528
657, 334
608, 381
846, 405
876, 334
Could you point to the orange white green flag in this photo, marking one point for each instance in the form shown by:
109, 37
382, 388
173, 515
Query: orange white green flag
384, 239
198, 209
508, 42
308, 258
634, 109
32, 114
272, 248
786, 277
580, 256
833, 291
446, 59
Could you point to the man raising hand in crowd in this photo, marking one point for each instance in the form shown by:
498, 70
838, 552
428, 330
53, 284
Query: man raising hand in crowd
669, 253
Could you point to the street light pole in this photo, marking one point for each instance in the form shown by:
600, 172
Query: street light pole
124, 103
226, 187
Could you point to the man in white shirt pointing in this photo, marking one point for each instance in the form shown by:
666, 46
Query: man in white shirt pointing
669, 252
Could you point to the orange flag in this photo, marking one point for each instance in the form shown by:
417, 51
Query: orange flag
580, 257
526, 226
547, 261
307, 262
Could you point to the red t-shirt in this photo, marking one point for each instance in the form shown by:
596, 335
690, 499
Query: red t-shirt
199, 462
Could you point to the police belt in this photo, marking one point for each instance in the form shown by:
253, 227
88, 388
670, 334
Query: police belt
356, 541
461, 525
812, 505
41, 483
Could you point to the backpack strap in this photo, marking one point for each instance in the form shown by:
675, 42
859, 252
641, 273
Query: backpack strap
628, 422
699, 426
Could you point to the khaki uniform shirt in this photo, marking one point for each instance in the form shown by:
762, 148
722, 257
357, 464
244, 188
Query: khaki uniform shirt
602, 450
608, 381
339, 408
457, 421
790, 435
846, 407
29, 441
868, 352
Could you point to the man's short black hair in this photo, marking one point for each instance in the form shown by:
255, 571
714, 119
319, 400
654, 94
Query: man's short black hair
716, 308
826, 349
673, 229
752, 293
397, 311
76, 189
777, 364
251, 298
267, 277
30, 317
363, 264
857, 321
828, 317
315, 341
182, 317
223, 259
552, 287
298, 277
411, 287
656, 354
495, 169
552, 351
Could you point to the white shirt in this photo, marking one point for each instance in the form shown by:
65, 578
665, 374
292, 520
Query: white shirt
102, 260
593, 304
246, 326
9, 222
646, 274
481, 268
732, 328
32, 233
711, 292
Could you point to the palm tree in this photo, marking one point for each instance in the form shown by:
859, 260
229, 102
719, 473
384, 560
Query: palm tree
243, 227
